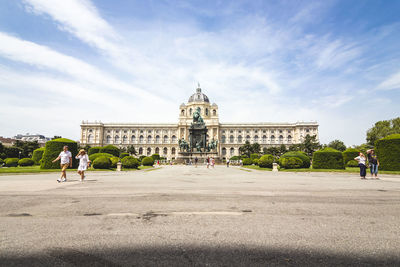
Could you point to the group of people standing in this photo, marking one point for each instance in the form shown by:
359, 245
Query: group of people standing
373, 164
65, 158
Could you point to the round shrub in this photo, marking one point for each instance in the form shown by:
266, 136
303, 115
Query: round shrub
298, 154
352, 163
110, 149
290, 163
388, 152
114, 161
130, 162
37, 155
102, 163
155, 156
235, 158
141, 158
350, 154
122, 155
254, 156
247, 161
148, 161
266, 161
11, 162
26, 162
328, 158
53, 149
1, 162
94, 150
96, 155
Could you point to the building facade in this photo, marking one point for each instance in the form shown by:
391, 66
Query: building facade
163, 138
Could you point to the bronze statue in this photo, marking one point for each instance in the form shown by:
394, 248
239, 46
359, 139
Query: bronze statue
197, 116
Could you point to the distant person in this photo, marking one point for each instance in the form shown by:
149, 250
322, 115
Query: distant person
195, 161
227, 163
83, 163
241, 162
212, 162
362, 164
66, 161
208, 162
373, 163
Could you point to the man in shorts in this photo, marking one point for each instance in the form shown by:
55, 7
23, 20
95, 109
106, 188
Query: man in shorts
66, 161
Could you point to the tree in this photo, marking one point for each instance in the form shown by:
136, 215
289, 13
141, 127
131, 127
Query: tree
382, 129
282, 149
131, 150
295, 147
26, 147
56, 137
338, 145
310, 144
247, 149
274, 151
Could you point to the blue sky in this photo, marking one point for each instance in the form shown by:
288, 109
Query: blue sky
335, 62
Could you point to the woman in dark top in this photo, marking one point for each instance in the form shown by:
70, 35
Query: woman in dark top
373, 163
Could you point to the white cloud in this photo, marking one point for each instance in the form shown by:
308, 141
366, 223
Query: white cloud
392, 82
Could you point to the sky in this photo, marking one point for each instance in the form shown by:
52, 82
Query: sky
334, 62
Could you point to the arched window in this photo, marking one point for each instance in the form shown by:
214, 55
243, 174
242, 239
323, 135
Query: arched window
157, 139
165, 151
182, 112
248, 138
223, 139
173, 139
116, 139
223, 151
133, 139
214, 112
173, 151
141, 139
108, 139
90, 138
190, 111
272, 138
264, 139
165, 139
206, 111
157, 150
289, 138
231, 139
240, 139
140, 150
125, 139
148, 151
280, 139
232, 151
149, 139
256, 138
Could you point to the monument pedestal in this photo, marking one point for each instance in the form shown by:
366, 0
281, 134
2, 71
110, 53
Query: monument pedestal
186, 157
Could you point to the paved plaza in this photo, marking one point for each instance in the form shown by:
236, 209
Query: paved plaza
182, 215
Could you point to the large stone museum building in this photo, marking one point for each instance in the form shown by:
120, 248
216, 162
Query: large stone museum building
164, 139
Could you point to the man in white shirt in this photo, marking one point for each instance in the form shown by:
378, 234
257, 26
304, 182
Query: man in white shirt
66, 160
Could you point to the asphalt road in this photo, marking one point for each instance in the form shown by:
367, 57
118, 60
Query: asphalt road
187, 216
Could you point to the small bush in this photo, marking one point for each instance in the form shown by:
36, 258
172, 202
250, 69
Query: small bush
11, 162
254, 156
290, 163
350, 154
235, 158
93, 157
94, 150
247, 161
255, 161
388, 152
141, 158
110, 149
352, 163
26, 162
1, 162
155, 157
102, 162
130, 162
37, 155
298, 154
266, 161
53, 149
123, 155
148, 161
328, 158
114, 161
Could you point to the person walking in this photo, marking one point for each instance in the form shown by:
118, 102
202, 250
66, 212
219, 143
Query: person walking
66, 161
83, 163
227, 163
241, 162
373, 163
195, 161
212, 162
208, 162
362, 164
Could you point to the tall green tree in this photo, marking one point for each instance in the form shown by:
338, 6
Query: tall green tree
247, 149
274, 151
382, 129
310, 144
131, 150
338, 145
26, 147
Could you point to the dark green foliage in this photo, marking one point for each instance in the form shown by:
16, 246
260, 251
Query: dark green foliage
131, 149
255, 161
352, 163
114, 161
310, 144
235, 158
282, 149
26, 162
110, 149
102, 163
338, 145
155, 157
12, 152
11, 162
350, 154
299, 154
94, 150
247, 149
290, 163
274, 151
53, 149
37, 155
148, 161
95, 156
141, 158
266, 161
124, 154
247, 161
388, 152
328, 158
254, 156
130, 162
382, 129
26, 147
1, 162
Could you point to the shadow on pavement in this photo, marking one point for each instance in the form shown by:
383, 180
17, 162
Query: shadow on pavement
194, 256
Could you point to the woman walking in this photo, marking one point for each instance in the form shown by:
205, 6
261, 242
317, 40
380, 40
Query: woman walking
361, 163
83, 163
373, 163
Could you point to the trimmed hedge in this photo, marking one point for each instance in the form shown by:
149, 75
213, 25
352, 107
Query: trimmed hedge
96, 155
235, 158
11, 162
290, 163
37, 155
247, 161
102, 163
254, 156
328, 158
148, 161
350, 154
266, 161
298, 154
123, 155
53, 149
94, 150
388, 152
26, 162
110, 149
352, 163
155, 156
130, 162
114, 161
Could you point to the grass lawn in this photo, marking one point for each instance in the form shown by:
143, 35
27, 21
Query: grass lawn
36, 169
